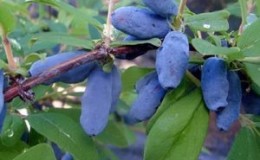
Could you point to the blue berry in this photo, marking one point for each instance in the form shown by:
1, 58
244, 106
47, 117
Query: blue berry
164, 8
214, 83
230, 113
116, 87
147, 101
75, 75
96, 102
172, 59
140, 22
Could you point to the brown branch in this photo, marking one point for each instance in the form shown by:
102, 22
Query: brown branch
98, 54
9, 53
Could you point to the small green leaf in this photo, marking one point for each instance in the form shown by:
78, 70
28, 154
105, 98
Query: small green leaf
66, 133
78, 15
29, 59
206, 48
246, 146
154, 41
253, 71
3, 64
208, 22
114, 134
131, 75
255, 88
7, 19
62, 38
234, 9
8, 153
41, 151
172, 135
249, 41
12, 130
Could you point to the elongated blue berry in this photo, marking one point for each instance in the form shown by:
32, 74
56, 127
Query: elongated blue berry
214, 83
164, 8
148, 99
2, 85
2, 117
67, 156
140, 22
116, 87
75, 75
96, 102
230, 113
172, 59
141, 83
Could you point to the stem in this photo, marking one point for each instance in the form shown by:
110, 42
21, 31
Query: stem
108, 24
253, 60
9, 54
182, 7
98, 54
178, 19
193, 78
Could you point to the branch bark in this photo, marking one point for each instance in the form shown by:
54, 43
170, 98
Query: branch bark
97, 54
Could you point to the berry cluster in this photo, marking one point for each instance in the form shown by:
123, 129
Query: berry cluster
221, 90
171, 58
101, 95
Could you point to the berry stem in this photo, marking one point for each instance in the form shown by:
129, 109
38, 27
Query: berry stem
193, 78
182, 7
9, 54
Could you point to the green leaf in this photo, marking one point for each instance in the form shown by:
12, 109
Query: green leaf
62, 38
131, 75
258, 7
246, 146
7, 19
3, 64
173, 134
208, 22
171, 97
234, 9
8, 153
41, 151
190, 142
29, 59
79, 16
154, 41
253, 71
255, 88
73, 113
206, 48
114, 134
66, 133
249, 41
243, 8
12, 130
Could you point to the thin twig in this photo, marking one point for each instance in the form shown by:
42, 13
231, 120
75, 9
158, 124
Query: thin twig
9, 54
107, 35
